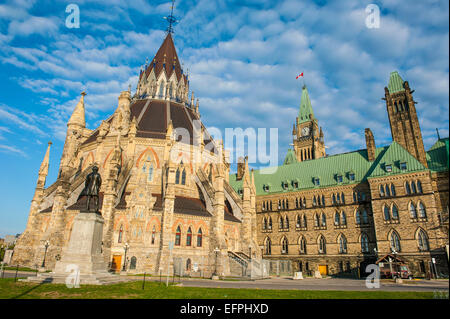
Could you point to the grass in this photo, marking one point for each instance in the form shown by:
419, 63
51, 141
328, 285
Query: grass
155, 290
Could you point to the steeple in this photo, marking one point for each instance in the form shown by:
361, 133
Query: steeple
305, 113
78, 117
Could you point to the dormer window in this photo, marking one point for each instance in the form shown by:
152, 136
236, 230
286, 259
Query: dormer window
285, 185
403, 166
266, 188
339, 179
388, 168
351, 176
295, 184
317, 181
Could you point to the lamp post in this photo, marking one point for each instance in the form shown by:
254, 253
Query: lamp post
125, 258
216, 251
45, 253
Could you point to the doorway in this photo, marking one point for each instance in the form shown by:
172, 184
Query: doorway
116, 262
323, 269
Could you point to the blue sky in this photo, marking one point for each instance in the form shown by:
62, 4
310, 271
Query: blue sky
243, 57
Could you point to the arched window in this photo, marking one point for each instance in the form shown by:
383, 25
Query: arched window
333, 199
323, 200
268, 246
153, 235
392, 190
183, 177
178, 236
364, 243
270, 222
298, 222
314, 201
387, 216
189, 237
150, 173
395, 242
342, 244
304, 221
296, 203
336, 219
355, 198
120, 234
339, 198
177, 176
343, 198
412, 210
407, 188
422, 241
381, 191
322, 245
394, 211
199, 238
302, 247
365, 217
316, 220
419, 187
284, 246
286, 222
324, 220
388, 191
281, 222
161, 89
358, 218
422, 211
343, 218
264, 223
133, 262
171, 89
413, 187
188, 264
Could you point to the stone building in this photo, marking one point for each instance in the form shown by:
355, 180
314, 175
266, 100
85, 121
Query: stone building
336, 214
165, 194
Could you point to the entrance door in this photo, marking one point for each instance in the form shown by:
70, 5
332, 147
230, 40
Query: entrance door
116, 262
323, 269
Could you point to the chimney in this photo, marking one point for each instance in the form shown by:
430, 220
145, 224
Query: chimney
370, 144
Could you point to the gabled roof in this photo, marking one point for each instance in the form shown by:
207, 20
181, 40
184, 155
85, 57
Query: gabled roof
165, 59
438, 156
328, 168
395, 83
305, 113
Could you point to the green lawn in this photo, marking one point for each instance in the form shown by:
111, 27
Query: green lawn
155, 290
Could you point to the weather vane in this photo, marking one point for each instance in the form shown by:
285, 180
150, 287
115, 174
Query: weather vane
171, 19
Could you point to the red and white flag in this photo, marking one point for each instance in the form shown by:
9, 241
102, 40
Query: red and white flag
299, 76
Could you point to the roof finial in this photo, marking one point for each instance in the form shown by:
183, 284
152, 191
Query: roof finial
171, 19
437, 131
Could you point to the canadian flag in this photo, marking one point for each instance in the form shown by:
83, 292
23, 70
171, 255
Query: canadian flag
299, 76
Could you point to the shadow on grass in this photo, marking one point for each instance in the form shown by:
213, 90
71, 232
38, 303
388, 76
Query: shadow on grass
49, 280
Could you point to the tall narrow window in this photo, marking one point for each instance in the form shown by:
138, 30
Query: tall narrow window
161, 89
270, 222
323, 200
264, 223
268, 247
365, 217
343, 218
392, 190
422, 240
316, 220
178, 236
342, 244
364, 243
199, 237
395, 242
284, 246
304, 221
189, 237
281, 222
381, 191
153, 235
412, 210
358, 218
177, 176
407, 188
303, 245
322, 245
388, 191
394, 211
297, 222
183, 177
413, 187
150, 173
120, 234
419, 187
314, 201
343, 198
333, 199
336, 219
286, 222
324, 220
387, 215
422, 211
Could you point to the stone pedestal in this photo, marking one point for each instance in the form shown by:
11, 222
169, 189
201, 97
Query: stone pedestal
298, 275
317, 274
82, 259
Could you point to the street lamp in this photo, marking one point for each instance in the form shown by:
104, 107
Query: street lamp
216, 251
45, 252
125, 259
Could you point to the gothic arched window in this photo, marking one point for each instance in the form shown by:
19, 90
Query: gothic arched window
286, 222
422, 211
120, 234
268, 246
199, 237
298, 222
364, 243
388, 191
413, 187
358, 218
183, 177
161, 89
322, 245
365, 217
177, 176
412, 210
324, 220
387, 215
304, 221
381, 191
392, 190
394, 211
284, 246
150, 173
281, 222
178, 236
336, 219
422, 241
343, 218
264, 223
302, 247
153, 235
407, 188
189, 237
342, 244
419, 187
395, 242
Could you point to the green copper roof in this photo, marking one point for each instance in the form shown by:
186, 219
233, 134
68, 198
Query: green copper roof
290, 157
438, 156
305, 107
327, 169
395, 83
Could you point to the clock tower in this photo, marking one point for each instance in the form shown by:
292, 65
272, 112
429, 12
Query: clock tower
308, 137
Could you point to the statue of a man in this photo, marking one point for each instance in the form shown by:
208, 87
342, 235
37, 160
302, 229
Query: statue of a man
92, 188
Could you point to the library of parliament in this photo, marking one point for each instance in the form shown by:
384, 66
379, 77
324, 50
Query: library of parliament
171, 203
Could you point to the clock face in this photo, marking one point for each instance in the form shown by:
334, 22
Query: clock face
305, 131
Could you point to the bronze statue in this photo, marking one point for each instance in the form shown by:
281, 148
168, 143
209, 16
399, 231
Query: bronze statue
92, 188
